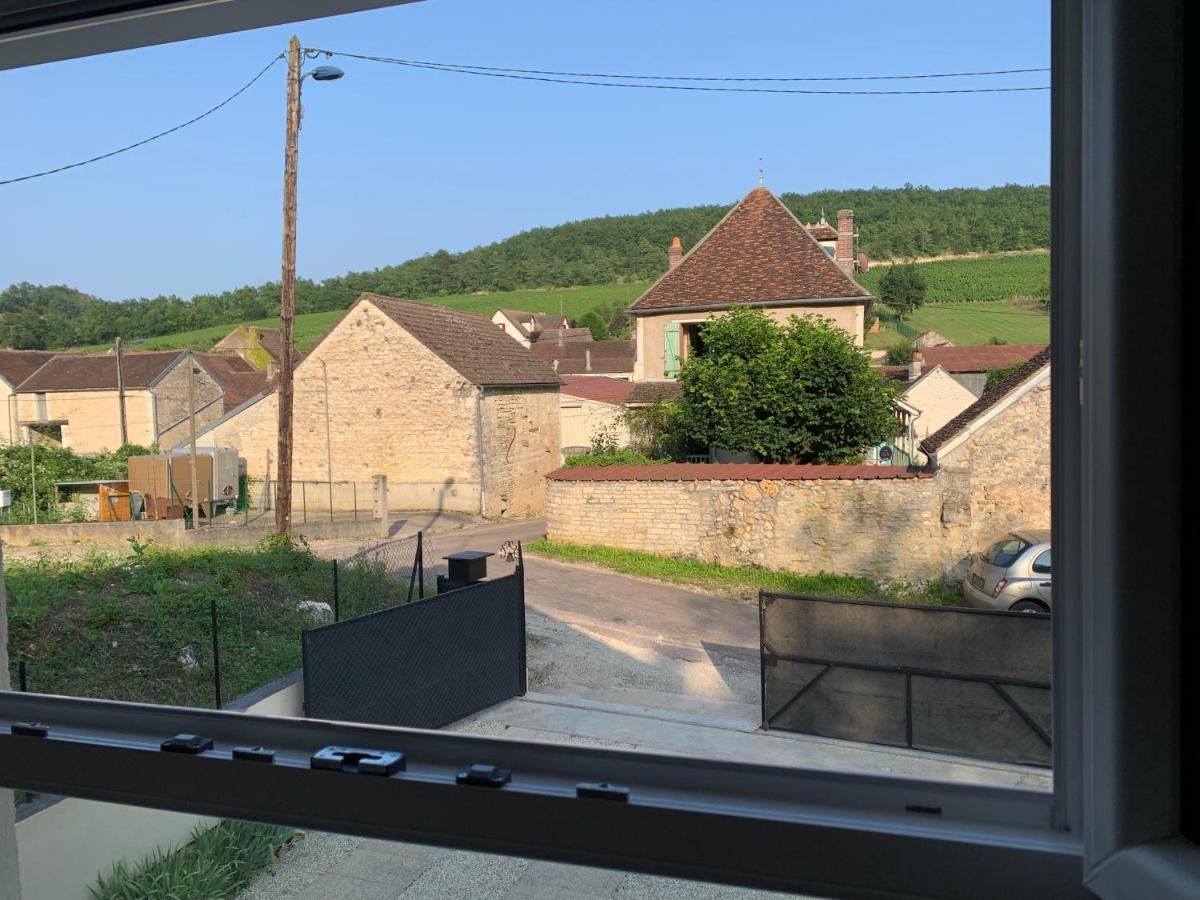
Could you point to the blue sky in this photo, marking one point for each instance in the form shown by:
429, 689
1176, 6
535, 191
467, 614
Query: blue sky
396, 162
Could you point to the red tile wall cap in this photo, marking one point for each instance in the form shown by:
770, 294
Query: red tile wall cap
735, 472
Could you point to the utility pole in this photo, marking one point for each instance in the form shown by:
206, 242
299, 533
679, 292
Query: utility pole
287, 292
192, 428
328, 439
121, 393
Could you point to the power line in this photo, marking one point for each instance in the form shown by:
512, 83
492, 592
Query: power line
153, 137
584, 80
424, 62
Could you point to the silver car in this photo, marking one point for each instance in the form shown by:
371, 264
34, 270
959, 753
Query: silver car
1014, 573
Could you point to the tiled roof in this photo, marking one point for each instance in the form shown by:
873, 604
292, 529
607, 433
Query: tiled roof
541, 321
758, 253
822, 231
989, 399
471, 345
98, 372
551, 335
239, 380
653, 391
980, 358
17, 365
271, 342
597, 387
733, 472
606, 356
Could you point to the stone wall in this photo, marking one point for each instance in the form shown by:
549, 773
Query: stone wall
519, 427
894, 526
172, 404
396, 409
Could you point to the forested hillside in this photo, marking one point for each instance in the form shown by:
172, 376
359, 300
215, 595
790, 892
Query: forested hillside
891, 222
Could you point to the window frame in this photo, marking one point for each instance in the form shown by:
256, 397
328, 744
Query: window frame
1112, 823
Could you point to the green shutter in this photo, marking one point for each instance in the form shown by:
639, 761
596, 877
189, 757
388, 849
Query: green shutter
671, 349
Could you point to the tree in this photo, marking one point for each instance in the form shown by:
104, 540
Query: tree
903, 289
596, 325
799, 392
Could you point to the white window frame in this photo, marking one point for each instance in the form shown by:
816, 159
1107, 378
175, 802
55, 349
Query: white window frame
1113, 822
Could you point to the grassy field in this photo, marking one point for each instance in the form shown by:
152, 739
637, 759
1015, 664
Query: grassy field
311, 326
986, 286
137, 627
741, 581
982, 280
1014, 322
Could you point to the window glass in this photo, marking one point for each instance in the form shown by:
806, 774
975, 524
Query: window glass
1041, 565
1004, 553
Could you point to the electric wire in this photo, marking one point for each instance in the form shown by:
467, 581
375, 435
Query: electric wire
153, 137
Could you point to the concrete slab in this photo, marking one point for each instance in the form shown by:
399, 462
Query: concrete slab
548, 717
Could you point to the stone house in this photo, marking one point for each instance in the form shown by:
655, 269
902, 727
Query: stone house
15, 367
456, 414
589, 406
261, 347
758, 255
989, 472
73, 399
934, 397
527, 328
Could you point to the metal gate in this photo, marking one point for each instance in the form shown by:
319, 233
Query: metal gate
953, 680
424, 664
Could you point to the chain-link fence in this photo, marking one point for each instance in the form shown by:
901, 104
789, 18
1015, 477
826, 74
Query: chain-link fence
383, 575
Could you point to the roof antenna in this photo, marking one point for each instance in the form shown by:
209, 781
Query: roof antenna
760, 172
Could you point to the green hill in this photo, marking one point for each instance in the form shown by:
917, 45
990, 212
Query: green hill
605, 251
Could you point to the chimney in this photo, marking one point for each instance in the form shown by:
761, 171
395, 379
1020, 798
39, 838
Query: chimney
844, 255
917, 364
587, 356
675, 254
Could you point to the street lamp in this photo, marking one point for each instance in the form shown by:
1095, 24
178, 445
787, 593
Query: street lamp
287, 289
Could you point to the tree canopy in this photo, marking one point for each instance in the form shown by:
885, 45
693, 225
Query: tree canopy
903, 288
799, 392
891, 222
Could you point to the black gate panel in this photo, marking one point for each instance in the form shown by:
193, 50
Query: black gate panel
421, 665
952, 680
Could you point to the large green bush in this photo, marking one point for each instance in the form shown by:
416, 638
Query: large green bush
800, 392
54, 464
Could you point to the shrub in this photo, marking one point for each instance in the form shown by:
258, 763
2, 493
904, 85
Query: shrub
620, 456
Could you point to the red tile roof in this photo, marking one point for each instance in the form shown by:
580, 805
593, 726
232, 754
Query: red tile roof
989, 399
572, 356
239, 380
980, 358
758, 253
654, 391
597, 387
733, 472
822, 231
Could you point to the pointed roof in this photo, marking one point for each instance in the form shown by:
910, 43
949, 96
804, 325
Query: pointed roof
990, 399
471, 345
758, 253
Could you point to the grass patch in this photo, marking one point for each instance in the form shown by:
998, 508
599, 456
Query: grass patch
742, 580
137, 627
216, 864
970, 324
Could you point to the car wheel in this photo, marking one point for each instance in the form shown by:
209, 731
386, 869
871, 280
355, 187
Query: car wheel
1030, 606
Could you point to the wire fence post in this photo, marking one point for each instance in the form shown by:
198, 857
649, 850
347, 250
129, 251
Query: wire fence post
216, 651
22, 680
337, 605
304, 502
421, 562
355, 483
